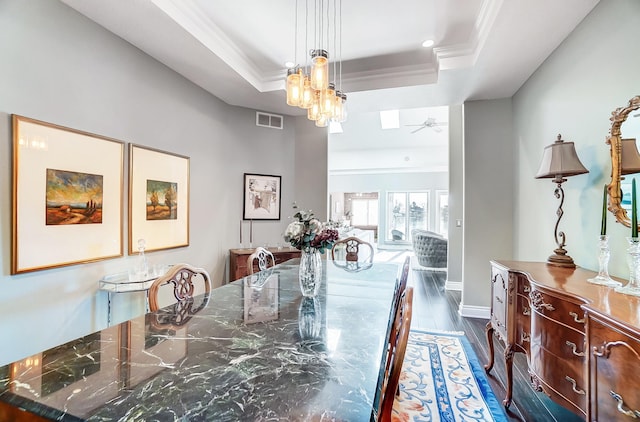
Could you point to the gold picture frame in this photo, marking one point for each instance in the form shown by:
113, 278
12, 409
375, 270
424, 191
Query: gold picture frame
158, 199
67, 196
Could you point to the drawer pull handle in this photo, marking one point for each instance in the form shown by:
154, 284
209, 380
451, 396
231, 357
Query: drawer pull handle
526, 289
537, 301
526, 311
576, 319
524, 337
498, 299
617, 397
573, 385
574, 348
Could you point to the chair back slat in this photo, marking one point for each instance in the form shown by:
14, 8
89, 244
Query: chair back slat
264, 258
398, 346
183, 278
353, 246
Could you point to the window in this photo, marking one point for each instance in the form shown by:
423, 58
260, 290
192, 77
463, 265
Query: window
442, 219
406, 211
364, 212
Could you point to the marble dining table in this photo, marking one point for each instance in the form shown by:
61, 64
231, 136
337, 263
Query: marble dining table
254, 349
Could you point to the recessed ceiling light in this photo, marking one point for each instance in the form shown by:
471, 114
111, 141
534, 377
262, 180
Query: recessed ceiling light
428, 43
289, 65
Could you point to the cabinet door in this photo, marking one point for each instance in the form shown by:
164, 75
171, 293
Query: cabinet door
499, 300
615, 372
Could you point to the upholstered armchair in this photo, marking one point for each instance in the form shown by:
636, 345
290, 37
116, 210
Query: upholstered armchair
430, 248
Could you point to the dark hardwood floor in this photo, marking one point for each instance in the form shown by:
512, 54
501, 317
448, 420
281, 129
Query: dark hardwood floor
436, 308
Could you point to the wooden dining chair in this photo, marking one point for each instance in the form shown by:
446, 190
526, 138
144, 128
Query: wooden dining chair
184, 279
402, 281
352, 246
264, 258
398, 346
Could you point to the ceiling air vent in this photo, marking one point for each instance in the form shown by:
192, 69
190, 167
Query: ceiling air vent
269, 120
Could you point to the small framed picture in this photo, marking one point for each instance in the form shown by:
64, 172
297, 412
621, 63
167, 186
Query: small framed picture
261, 197
67, 196
158, 199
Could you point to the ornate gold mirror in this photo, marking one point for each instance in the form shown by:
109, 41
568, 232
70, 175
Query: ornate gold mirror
625, 160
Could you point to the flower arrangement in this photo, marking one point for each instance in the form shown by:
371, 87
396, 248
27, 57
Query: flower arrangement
307, 232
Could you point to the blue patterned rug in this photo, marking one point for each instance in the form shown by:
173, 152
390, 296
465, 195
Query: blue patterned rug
442, 380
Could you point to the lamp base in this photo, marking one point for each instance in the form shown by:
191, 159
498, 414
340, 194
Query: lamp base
561, 259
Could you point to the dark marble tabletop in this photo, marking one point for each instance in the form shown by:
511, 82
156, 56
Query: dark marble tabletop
257, 351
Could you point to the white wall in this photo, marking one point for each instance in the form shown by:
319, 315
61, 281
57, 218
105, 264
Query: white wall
593, 72
59, 67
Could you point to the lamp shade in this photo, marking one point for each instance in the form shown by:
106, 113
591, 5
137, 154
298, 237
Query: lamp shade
560, 160
630, 159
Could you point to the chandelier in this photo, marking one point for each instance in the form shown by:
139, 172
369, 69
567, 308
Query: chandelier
308, 86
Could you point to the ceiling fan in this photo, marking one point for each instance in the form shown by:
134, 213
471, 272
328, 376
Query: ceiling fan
429, 123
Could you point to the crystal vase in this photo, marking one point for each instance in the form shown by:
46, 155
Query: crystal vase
633, 259
309, 319
140, 270
603, 263
310, 272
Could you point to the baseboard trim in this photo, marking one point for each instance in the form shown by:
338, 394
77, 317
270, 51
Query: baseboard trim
453, 285
469, 311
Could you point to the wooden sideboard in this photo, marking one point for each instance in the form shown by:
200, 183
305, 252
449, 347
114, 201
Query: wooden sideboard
238, 259
582, 340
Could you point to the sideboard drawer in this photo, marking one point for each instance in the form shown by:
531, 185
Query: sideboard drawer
562, 379
559, 340
559, 309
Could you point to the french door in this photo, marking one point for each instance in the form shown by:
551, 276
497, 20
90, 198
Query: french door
406, 211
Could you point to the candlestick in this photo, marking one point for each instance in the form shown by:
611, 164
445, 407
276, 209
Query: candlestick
240, 232
634, 210
250, 231
603, 225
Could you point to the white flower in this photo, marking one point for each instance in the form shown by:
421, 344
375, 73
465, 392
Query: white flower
315, 226
294, 231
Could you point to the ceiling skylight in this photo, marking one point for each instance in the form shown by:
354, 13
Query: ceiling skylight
390, 119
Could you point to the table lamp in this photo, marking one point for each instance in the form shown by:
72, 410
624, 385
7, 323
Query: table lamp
558, 162
630, 158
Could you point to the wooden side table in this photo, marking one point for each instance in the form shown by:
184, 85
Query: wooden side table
238, 259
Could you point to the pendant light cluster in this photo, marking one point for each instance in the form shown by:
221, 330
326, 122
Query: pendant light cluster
308, 87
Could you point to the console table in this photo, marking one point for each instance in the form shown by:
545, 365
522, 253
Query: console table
238, 259
582, 340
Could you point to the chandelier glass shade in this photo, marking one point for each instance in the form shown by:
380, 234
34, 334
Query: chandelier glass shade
316, 87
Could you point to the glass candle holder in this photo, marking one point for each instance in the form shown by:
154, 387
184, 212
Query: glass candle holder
633, 259
604, 254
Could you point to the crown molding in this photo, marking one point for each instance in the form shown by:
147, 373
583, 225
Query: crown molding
190, 16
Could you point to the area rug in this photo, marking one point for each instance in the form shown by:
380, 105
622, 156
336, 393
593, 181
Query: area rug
442, 380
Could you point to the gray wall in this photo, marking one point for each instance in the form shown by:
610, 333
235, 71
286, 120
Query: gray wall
488, 197
456, 196
593, 72
59, 67
310, 169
